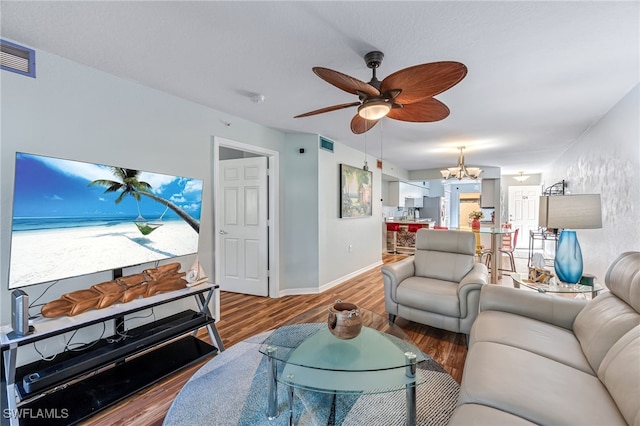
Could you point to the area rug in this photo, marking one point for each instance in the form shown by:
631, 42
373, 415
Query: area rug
231, 389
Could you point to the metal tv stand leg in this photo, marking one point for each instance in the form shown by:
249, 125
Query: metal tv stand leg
10, 356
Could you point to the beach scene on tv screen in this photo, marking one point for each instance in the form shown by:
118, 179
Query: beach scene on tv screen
73, 218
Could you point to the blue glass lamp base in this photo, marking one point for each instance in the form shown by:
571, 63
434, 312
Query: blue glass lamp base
568, 261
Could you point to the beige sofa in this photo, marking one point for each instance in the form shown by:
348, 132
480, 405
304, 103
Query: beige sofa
544, 359
438, 286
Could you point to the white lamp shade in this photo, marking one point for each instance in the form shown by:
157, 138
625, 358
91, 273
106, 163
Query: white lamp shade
581, 211
374, 110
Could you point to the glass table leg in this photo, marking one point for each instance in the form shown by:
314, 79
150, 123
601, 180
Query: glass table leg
272, 392
410, 371
291, 423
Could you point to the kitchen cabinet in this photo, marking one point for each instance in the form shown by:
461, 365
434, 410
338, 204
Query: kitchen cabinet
403, 194
488, 193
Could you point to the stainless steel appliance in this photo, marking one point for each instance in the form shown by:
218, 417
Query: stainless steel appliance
434, 208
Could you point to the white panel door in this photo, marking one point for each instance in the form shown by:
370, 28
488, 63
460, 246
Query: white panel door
242, 227
523, 211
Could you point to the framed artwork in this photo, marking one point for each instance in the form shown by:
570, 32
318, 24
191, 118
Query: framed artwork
356, 192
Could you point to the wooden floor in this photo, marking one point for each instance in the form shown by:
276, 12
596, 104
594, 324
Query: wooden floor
244, 316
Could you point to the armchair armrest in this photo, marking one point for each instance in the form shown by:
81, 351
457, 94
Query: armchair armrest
394, 273
475, 279
560, 311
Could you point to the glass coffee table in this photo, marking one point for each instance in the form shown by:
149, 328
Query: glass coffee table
304, 354
554, 287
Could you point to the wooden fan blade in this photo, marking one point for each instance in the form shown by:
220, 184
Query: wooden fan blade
327, 109
360, 125
345, 82
424, 81
426, 110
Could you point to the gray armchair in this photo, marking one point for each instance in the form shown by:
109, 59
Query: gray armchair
438, 286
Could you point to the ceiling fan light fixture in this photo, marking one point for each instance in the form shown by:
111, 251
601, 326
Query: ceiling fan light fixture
374, 110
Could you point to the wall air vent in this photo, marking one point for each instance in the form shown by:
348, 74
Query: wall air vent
326, 144
18, 59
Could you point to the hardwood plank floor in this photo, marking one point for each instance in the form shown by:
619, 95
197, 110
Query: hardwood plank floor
244, 316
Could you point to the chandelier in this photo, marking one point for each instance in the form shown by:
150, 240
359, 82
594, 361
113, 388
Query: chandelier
522, 177
460, 171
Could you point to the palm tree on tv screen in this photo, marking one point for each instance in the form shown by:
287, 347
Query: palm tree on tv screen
130, 185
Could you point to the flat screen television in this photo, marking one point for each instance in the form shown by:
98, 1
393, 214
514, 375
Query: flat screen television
73, 218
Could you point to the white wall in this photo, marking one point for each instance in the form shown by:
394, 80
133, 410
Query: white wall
300, 215
337, 234
76, 112
605, 160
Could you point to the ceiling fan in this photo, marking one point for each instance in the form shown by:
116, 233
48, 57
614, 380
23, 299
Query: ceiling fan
406, 95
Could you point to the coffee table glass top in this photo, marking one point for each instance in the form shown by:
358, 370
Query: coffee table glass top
313, 358
553, 287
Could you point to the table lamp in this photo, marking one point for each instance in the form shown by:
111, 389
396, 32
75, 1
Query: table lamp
569, 212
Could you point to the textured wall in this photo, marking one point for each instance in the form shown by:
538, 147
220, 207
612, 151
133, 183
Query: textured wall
606, 160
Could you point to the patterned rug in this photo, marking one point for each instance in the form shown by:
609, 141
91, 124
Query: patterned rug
231, 389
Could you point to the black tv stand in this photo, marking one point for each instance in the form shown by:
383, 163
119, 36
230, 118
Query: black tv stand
77, 384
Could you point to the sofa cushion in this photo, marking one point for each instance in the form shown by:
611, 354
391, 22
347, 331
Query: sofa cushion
544, 339
620, 373
504, 377
430, 295
481, 415
602, 322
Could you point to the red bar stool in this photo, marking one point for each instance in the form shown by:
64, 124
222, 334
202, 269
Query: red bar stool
413, 228
394, 228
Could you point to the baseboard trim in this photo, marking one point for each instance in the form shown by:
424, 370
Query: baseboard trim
329, 285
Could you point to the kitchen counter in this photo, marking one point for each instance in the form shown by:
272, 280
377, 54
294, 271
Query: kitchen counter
429, 223
405, 241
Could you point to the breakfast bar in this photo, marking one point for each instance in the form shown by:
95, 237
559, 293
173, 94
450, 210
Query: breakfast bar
401, 234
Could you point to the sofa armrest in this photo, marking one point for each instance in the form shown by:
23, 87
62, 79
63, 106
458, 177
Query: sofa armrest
394, 273
556, 310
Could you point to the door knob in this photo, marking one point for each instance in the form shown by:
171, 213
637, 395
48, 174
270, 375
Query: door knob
223, 232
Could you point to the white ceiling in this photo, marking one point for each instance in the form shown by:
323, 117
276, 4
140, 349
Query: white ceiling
540, 73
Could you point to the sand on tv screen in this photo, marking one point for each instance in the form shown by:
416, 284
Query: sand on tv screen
73, 218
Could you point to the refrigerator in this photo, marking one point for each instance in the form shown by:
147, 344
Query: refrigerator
434, 208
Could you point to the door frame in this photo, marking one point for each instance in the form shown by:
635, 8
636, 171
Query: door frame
273, 196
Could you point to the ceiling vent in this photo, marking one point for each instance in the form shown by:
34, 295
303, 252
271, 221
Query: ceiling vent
326, 144
17, 59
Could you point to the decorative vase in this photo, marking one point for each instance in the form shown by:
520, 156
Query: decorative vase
568, 261
475, 224
344, 320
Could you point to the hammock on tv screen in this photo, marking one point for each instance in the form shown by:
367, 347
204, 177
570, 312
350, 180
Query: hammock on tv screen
146, 228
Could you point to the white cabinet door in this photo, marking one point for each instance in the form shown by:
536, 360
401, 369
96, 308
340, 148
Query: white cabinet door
488, 193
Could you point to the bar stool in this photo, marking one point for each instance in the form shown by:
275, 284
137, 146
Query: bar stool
394, 228
507, 248
413, 228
